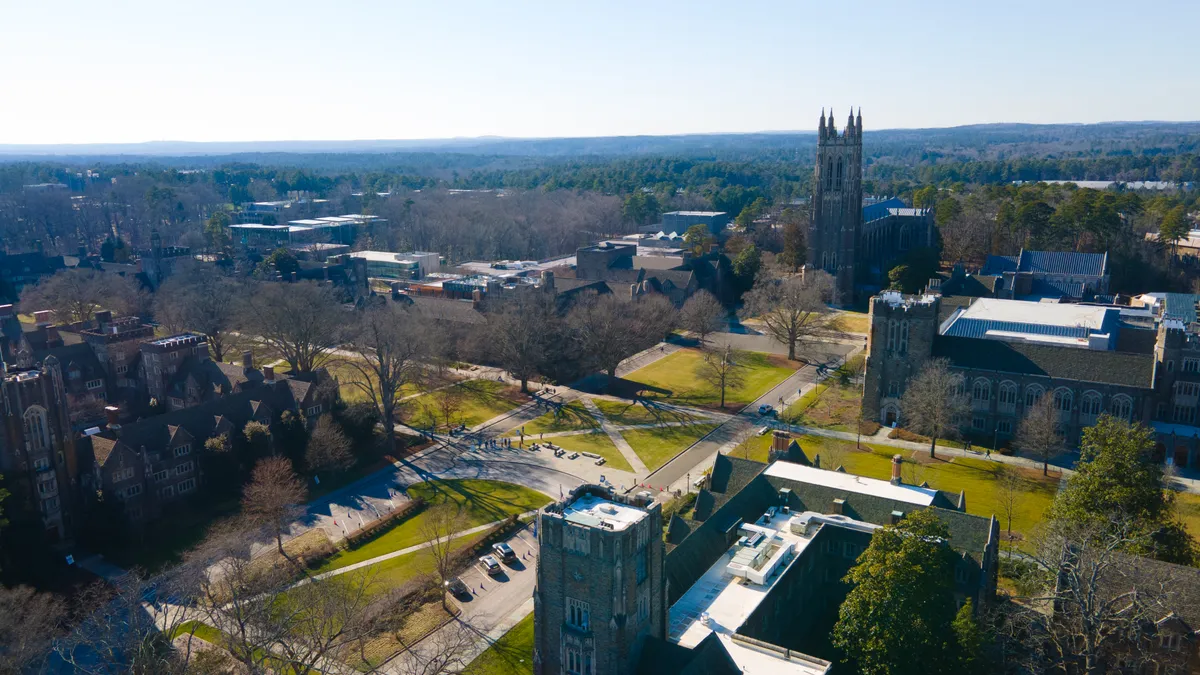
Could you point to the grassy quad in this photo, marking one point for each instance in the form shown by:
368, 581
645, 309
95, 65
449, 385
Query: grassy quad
573, 416
512, 654
676, 379
478, 501
596, 442
656, 446
625, 413
478, 401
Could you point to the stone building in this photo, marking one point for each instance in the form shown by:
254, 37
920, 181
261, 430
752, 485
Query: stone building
600, 591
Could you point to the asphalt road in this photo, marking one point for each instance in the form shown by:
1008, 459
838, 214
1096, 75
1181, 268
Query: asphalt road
695, 456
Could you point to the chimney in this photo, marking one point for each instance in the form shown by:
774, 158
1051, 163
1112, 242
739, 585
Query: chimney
248, 360
42, 318
269, 373
103, 318
548, 280
896, 462
110, 413
477, 297
779, 441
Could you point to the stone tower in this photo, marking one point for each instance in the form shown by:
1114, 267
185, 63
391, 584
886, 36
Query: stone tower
837, 205
600, 589
899, 343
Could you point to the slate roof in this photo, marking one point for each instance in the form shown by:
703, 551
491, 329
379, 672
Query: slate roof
1182, 584
1067, 263
1180, 307
445, 309
881, 209
1067, 363
999, 264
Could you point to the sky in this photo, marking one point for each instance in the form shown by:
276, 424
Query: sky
252, 70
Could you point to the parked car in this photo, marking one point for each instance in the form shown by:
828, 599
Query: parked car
504, 552
490, 565
457, 587
766, 410
600, 461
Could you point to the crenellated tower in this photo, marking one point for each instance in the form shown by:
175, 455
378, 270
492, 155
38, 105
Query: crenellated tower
837, 204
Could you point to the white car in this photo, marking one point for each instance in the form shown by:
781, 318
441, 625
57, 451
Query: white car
490, 565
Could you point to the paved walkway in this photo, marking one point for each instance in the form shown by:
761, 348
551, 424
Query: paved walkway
614, 435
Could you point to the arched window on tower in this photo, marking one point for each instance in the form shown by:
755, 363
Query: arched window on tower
829, 175
839, 174
36, 433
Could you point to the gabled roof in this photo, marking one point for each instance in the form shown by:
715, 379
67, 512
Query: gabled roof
1067, 263
1067, 363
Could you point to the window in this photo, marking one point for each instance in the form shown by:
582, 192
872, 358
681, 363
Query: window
829, 175
41, 464
183, 468
1170, 366
981, 394
1004, 427
838, 184
903, 337
176, 402
167, 492
50, 505
1122, 407
979, 423
122, 475
960, 574
1171, 642
578, 614
1184, 414
575, 539
1063, 401
47, 487
183, 450
1033, 395
161, 476
37, 435
1007, 397
313, 411
891, 338
643, 558
121, 370
1191, 365
94, 384
643, 603
1090, 407
893, 389
187, 485
133, 491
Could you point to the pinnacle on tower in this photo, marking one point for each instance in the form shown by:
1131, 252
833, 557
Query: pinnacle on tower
850, 122
832, 127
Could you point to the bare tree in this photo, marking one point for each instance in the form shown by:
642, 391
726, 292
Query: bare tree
1092, 604
1038, 433
449, 401
76, 294
1008, 479
520, 333
722, 368
273, 496
609, 329
29, 623
791, 308
448, 650
934, 402
301, 323
328, 447
388, 346
702, 314
438, 527
199, 298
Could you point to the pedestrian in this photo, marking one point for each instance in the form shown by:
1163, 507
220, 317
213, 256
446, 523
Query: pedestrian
989, 453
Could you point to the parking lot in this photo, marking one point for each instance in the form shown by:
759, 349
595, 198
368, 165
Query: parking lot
494, 597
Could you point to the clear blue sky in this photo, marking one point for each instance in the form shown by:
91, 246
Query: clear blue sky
206, 70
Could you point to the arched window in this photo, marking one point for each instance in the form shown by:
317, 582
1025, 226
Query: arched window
1033, 395
829, 175
1007, 398
891, 336
1063, 401
839, 174
1090, 406
903, 346
37, 435
981, 393
1122, 407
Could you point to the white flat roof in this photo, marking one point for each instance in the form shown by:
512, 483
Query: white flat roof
1046, 314
594, 511
851, 483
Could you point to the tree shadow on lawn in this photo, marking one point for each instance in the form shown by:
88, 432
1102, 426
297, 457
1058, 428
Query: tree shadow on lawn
660, 413
483, 502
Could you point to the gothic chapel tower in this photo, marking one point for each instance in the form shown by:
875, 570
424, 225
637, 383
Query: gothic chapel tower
837, 205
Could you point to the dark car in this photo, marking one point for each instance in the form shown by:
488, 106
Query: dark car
504, 552
457, 587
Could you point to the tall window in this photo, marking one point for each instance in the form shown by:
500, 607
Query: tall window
578, 614
839, 174
981, 394
1063, 401
1008, 396
36, 432
829, 175
1090, 407
903, 337
1122, 407
1033, 395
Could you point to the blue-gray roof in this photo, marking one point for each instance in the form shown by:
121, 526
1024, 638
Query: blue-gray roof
1180, 307
880, 209
977, 328
1049, 262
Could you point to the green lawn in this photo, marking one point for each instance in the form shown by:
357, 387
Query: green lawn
1187, 505
676, 379
512, 654
756, 448
477, 401
639, 412
658, 445
201, 630
570, 417
597, 442
478, 502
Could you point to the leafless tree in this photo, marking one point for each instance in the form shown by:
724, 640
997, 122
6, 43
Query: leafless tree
934, 402
438, 527
388, 346
722, 368
702, 314
449, 401
1093, 606
76, 294
520, 333
967, 235
301, 323
448, 650
274, 496
29, 623
609, 329
1009, 480
791, 308
328, 447
200, 298
1038, 433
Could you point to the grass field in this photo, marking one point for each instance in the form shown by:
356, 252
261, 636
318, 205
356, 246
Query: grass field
597, 442
755, 448
637, 412
478, 502
1188, 508
512, 654
347, 375
570, 417
833, 404
853, 322
676, 379
477, 401
656, 446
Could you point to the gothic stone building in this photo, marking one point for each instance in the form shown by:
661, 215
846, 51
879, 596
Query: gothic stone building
856, 245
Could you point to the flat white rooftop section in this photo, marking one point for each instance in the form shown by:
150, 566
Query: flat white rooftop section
1046, 314
763, 662
593, 511
851, 483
